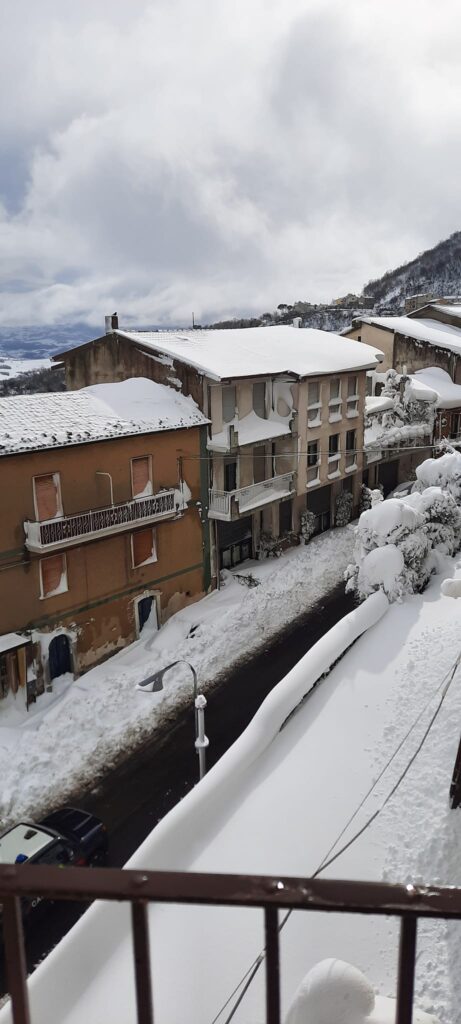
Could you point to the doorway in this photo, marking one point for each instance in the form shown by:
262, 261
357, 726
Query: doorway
147, 610
59, 656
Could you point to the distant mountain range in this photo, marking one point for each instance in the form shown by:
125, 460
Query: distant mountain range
436, 271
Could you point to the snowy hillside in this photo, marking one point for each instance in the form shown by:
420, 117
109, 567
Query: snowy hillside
437, 270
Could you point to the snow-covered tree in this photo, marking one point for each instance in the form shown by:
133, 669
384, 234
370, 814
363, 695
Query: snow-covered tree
397, 541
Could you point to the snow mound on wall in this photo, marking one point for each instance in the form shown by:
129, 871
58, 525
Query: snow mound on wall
333, 992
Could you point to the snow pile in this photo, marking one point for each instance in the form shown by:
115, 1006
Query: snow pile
333, 992
444, 472
398, 542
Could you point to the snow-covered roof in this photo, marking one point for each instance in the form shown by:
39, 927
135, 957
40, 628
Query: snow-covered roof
430, 331
260, 351
433, 382
441, 307
377, 403
96, 413
9, 641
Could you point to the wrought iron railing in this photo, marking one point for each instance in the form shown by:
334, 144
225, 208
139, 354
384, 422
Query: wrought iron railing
58, 532
270, 894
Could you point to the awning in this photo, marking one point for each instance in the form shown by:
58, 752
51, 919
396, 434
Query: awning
10, 641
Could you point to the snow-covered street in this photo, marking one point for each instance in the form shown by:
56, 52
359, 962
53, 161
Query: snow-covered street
72, 735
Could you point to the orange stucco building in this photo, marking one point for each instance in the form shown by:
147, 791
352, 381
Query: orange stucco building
101, 525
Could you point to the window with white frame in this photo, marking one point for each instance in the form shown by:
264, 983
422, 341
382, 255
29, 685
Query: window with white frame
351, 454
314, 406
141, 477
334, 454
313, 463
352, 396
335, 400
53, 576
47, 496
143, 547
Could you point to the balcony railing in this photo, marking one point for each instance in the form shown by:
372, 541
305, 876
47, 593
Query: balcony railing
85, 526
246, 498
270, 894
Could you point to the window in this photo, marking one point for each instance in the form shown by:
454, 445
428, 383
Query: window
333, 446
312, 453
313, 463
350, 450
53, 575
313, 404
143, 547
141, 477
334, 455
352, 396
47, 496
335, 400
228, 404
259, 399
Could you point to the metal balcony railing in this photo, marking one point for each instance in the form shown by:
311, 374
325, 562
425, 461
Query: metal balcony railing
247, 498
271, 894
54, 533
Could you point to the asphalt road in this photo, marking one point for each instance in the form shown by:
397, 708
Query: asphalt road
137, 794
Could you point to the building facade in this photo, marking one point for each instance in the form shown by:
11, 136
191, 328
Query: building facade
98, 537
286, 412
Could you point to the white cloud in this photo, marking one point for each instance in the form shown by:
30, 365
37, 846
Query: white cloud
219, 156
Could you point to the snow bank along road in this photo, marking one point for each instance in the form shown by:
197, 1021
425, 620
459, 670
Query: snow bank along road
78, 732
280, 814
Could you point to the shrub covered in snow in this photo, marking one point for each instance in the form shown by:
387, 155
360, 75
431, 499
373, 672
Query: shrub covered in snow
343, 513
369, 497
307, 528
397, 539
444, 472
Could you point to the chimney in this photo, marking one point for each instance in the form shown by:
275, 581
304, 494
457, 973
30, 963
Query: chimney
111, 323
297, 321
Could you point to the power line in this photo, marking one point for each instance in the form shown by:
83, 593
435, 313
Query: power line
327, 860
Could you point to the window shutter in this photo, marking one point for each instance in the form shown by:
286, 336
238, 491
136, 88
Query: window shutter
140, 470
52, 570
143, 546
46, 496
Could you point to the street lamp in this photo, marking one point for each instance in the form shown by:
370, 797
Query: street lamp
154, 683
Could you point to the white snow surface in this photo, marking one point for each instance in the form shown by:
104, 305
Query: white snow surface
105, 711
260, 351
281, 813
433, 382
96, 413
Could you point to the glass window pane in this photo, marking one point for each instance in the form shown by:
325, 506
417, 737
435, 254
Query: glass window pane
228, 404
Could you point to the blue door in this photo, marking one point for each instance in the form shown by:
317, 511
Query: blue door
59, 656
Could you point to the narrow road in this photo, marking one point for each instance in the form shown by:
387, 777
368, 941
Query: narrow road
137, 794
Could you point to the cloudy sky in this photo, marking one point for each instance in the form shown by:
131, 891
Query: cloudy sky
221, 156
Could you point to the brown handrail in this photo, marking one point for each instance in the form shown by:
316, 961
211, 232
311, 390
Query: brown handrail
270, 893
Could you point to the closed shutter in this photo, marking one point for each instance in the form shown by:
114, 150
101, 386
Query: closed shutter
140, 475
143, 546
52, 570
46, 497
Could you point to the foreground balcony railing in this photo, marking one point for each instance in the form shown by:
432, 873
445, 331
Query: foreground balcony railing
221, 503
58, 533
271, 894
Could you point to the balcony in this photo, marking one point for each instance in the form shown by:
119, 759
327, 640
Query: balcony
229, 505
273, 896
69, 530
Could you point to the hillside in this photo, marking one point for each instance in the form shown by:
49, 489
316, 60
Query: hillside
437, 270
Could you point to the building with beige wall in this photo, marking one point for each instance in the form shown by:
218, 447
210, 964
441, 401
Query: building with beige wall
286, 408
101, 531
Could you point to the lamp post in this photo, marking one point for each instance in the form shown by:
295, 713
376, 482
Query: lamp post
154, 683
